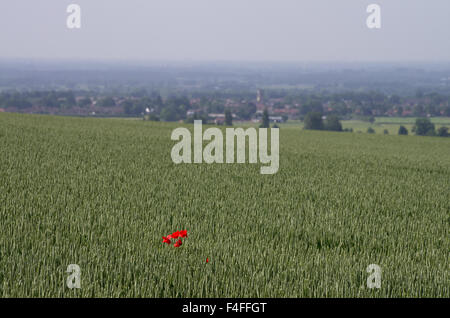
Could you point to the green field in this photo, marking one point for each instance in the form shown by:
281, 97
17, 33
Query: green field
391, 124
101, 193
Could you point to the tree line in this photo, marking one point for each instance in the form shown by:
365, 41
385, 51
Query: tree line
422, 127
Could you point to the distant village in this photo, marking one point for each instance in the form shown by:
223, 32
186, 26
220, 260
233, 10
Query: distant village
212, 109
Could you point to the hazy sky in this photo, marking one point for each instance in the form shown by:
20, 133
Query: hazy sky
259, 30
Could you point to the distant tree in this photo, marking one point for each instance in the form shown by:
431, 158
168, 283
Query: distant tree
313, 120
370, 130
128, 107
402, 130
443, 132
175, 109
138, 109
144, 103
215, 106
152, 117
132, 108
67, 99
50, 100
228, 118
196, 116
332, 123
386, 132
86, 101
436, 99
21, 103
170, 113
70, 99
246, 112
431, 133
312, 105
265, 119
106, 102
395, 99
418, 110
158, 103
424, 127
189, 120
447, 110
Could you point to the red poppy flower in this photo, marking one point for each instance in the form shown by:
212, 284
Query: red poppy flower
207, 260
175, 234
183, 233
178, 243
169, 236
166, 240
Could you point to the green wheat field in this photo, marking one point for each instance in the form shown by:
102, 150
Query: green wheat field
101, 193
